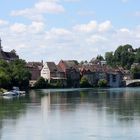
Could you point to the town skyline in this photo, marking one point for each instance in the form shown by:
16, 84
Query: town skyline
51, 30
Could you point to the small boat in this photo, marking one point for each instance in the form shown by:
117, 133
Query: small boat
14, 93
10, 93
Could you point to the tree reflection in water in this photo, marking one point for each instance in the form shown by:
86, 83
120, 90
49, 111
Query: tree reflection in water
105, 106
11, 109
125, 102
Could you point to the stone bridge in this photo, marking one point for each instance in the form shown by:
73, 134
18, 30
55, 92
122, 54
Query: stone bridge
128, 82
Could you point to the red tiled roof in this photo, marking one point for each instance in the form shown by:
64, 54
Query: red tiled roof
99, 68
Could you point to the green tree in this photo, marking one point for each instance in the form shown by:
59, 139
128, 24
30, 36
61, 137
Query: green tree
124, 56
84, 82
19, 73
135, 72
137, 55
41, 83
109, 57
100, 58
102, 83
5, 78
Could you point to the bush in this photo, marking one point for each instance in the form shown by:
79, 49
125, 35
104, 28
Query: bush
135, 72
41, 83
102, 83
84, 82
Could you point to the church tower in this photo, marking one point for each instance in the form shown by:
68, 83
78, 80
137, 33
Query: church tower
0, 45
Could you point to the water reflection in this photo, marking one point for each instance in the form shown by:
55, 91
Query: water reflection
72, 114
10, 111
124, 102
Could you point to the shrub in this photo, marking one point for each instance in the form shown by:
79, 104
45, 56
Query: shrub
84, 82
102, 83
41, 83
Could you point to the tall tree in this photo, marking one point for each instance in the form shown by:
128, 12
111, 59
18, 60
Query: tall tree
5, 78
19, 73
137, 55
124, 56
100, 58
109, 57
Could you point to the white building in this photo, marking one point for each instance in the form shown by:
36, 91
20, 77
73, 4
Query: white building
53, 73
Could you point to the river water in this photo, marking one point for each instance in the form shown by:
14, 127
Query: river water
72, 114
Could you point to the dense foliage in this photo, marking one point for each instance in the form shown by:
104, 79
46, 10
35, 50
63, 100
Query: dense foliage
84, 82
14, 73
135, 72
123, 56
41, 83
102, 83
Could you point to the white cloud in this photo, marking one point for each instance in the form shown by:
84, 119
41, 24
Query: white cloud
22, 46
105, 26
28, 13
33, 42
49, 7
91, 26
96, 39
94, 26
36, 27
39, 8
3, 22
18, 28
61, 37
60, 31
125, 30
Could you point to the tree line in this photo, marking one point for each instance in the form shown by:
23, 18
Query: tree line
124, 56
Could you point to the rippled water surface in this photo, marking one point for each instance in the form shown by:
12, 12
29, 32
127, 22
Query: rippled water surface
72, 114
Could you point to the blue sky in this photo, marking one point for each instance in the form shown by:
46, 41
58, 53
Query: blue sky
51, 30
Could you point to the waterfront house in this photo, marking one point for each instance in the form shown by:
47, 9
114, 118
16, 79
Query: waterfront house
115, 79
96, 72
35, 69
53, 74
88, 72
72, 73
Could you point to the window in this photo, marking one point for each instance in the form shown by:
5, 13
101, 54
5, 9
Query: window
114, 78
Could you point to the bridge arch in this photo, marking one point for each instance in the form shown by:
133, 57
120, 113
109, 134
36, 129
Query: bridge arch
134, 82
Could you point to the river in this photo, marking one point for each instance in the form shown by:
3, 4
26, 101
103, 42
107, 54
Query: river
72, 114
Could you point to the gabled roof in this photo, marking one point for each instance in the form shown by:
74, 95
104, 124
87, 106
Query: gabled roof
70, 64
59, 68
99, 68
35, 65
52, 67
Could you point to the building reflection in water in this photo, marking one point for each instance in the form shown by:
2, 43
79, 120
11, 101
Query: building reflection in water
54, 114
120, 102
